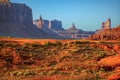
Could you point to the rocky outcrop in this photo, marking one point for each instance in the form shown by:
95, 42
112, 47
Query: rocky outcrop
108, 34
72, 28
106, 25
44, 25
55, 25
75, 33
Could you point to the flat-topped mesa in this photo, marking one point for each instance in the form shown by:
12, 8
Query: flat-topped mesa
16, 21
55, 25
16, 13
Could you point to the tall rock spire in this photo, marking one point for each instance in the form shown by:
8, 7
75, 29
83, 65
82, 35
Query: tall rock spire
72, 27
40, 18
40, 23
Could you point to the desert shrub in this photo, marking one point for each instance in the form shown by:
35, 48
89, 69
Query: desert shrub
35, 44
9, 59
27, 73
17, 73
8, 44
48, 44
29, 62
52, 63
58, 43
44, 73
1, 44
25, 45
53, 72
76, 72
102, 69
77, 50
101, 55
77, 42
23, 73
106, 68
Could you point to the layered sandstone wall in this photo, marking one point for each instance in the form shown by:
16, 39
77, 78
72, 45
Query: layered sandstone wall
17, 13
16, 21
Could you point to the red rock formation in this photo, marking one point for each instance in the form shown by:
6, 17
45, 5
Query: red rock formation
106, 33
107, 24
110, 34
16, 21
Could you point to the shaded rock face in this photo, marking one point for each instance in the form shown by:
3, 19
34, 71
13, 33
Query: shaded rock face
17, 13
44, 25
75, 33
72, 28
16, 21
55, 25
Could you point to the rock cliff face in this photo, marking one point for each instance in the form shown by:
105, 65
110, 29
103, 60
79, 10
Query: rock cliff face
44, 25
56, 25
16, 21
18, 13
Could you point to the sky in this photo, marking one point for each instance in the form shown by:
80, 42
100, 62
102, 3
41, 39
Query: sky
85, 14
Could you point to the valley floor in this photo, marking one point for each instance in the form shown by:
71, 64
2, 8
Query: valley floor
47, 59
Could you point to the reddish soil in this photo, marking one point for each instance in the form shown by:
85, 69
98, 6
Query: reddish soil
47, 59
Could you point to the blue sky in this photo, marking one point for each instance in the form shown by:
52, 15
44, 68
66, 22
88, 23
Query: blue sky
86, 14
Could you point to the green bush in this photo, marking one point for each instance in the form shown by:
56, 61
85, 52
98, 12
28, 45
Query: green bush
48, 44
